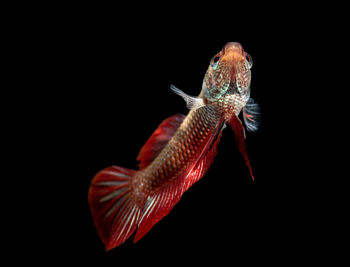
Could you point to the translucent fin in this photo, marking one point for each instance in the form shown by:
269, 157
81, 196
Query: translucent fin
191, 101
114, 211
159, 139
238, 129
251, 115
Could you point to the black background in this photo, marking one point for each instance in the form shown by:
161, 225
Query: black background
110, 90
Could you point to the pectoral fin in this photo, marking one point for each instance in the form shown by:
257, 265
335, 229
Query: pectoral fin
191, 101
251, 115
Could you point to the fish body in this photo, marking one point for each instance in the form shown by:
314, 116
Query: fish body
177, 154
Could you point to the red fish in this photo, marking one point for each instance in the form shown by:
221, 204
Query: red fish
177, 154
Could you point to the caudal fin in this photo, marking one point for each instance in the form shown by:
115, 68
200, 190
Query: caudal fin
114, 211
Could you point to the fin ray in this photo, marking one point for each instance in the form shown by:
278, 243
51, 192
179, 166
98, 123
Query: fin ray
114, 211
191, 101
251, 115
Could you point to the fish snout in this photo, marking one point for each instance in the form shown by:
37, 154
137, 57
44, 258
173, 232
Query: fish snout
233, 49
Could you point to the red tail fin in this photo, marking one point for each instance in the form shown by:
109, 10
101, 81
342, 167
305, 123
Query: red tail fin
114, 211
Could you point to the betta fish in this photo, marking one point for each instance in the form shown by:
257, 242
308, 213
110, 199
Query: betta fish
178, 153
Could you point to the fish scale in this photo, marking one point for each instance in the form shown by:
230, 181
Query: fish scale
188, 140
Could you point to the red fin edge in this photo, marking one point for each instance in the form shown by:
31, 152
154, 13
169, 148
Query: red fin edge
159, 139
238, 129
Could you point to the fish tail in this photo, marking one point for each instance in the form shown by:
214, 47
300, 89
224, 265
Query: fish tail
114, 208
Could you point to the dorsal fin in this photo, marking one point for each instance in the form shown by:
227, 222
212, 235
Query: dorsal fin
159, 139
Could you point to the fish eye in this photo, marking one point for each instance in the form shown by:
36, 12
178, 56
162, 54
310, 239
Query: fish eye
249, 60
215, 60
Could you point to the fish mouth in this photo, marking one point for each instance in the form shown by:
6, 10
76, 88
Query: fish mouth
233, 56
233, 51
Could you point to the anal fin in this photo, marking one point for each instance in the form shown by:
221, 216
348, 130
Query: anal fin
162, 202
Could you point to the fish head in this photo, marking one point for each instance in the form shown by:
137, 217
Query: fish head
228, 73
